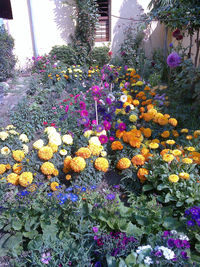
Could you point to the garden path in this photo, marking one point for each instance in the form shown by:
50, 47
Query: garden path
11, 93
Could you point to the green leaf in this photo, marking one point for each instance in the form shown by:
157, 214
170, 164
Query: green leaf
197, 247
133, 230
131, 259
160, 187
111, 262
16, 224
147, 187
30, 234
170, 223
36, 243
141, 220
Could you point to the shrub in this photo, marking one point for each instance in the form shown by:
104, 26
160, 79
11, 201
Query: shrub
7, 59
99, 56
65, 53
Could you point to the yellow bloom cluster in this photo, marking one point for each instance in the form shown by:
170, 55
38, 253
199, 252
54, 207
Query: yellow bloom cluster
83, 152
45, 153
18, 155
123, 163
47, 168
25, 179
78, 164
101, 164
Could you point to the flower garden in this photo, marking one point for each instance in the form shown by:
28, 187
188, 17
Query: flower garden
97, 173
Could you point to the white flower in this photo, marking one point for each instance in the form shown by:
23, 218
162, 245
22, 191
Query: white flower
101, 102
148, 260
103, 153
38, 144
101, 133
174, 232
49, 130
141, 248
9, 127
94, 140
3, 135
123, 98
183, 237
25, 148
67, 139
5, 150
168, 253
55, 138
24, 138
63, 152
111, 96
13, 132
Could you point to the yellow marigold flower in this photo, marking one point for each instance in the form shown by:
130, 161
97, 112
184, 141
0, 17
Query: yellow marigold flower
168, 157
133, 118
136, 102
190, 148
83, 152
54, 186
2, 168
67, 139
88, 133
123, 163
18, 155
153, 145
175, 133
170, 142
68, 177
116, 145
189, 137
53, 146
184, 175
63, 152
10, 126
47, 168
78, 164
38, 144
141, 174
165, 134
13, 178
25, 179
5, 151
176, 152
55, 172
184, 131
95, 149
3, 135
162, 121
17, 167
67, 162
138, 160
45, 153
139, 83
187, 160
101, 164
173, 122
24, 138
173, 178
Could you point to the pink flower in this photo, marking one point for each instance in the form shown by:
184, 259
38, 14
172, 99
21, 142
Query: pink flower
95, 89
84, 113
61, 106
94, 122
122, 126
45, 123
53, 108
53, 124
103, 139
107, 125
95, 229
82, 105
110, 53
112, 138
67, 108
106, 85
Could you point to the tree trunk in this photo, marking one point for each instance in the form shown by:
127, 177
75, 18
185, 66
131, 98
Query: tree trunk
197, 51
190, 49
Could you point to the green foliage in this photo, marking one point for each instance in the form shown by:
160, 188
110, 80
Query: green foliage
64, 53
99, 56
7, 59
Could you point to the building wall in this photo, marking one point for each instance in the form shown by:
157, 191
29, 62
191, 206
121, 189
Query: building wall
52, 25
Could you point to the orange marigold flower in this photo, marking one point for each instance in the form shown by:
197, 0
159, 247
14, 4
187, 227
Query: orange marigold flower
189, 137
141, 174
123, 163
138, 160
135, 142
165, 134
147, 116
173, 122
144, 151
45, 153
17, 168
68, 177
165, 151
101, 164
119, 134
83, 152
78, 164
116, 145
162, 121
67, 167
175, 133
147, 132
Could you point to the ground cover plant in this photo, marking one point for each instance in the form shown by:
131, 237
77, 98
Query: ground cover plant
73, 133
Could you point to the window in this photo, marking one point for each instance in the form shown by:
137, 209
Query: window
103, 26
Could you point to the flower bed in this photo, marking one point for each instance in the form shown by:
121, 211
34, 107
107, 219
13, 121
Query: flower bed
56, 206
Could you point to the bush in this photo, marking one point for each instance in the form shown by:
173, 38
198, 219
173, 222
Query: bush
99, 56
65, 53
7, 59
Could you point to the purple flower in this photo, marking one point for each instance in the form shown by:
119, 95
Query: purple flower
166, 233
110, 196
173, 60
122, 126
107, 125
95, 229
184, 255
100, 128
82, 105
46, 257
178, 243
190, 223
170, 242
108, 101
158, 253
106, 85
103, 139
171, 45
185, 244
98, 264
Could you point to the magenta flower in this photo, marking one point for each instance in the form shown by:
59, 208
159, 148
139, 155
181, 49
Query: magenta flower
109, 101
84, 113
103, 139
67, 108
95, 89
53, 108
112, 138
46, 257
106, 85
94, 122
173, 60
82, 105
122, 126
107, 125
